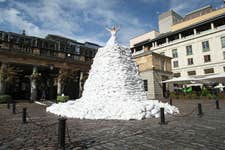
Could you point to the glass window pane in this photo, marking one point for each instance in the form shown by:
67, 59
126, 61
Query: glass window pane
223, 42
205, 46
175, 64
174, 53
146, 85
189, 50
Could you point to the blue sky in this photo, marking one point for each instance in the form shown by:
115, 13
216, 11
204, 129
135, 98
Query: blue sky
84, 20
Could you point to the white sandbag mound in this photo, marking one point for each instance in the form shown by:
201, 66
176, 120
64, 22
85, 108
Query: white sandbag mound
113, 89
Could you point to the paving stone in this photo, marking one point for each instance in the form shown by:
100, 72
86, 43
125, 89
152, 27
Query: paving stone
189, 132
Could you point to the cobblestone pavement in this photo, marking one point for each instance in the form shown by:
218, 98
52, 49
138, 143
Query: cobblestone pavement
183, 132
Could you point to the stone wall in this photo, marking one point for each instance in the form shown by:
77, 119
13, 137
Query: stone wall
155, 87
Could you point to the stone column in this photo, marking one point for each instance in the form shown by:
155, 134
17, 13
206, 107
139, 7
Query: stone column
212, 26
81, 84
156, 44
180, 36
59, 84
2, 82
33, 82
195, 31
153, 44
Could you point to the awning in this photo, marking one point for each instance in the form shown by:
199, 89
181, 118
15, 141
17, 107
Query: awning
219, 78
181, 80
216, 78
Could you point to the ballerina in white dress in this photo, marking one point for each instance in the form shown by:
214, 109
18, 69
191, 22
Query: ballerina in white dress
112, 41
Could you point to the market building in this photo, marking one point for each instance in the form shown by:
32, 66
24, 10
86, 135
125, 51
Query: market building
33, 67
154, 68
196, 41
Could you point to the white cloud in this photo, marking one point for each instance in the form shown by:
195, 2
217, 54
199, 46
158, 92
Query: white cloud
13, 17
69, 18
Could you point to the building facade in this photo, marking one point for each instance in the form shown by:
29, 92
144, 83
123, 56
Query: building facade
196, 42
43, 66
153, 69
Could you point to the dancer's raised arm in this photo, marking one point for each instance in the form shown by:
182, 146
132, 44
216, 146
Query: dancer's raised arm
118, 28
108, 29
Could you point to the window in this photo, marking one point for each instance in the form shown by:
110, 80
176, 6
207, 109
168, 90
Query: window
175, 64
224, 55
223, 42
205, 46
191, 73
189, 50
174, 53
207, 71
176, 75
146, 85
77, 49
190, 61
207, 58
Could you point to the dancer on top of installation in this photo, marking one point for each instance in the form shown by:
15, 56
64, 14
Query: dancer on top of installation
113, 89
113, 31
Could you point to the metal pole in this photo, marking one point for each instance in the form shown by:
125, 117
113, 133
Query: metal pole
8, 104
171, 101
61, 133
162, 116
24, 116
14, 108
200, 110
217, 104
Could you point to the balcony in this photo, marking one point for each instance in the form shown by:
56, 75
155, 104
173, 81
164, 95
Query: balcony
42, 53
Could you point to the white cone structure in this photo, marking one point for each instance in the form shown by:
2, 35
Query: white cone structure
113, 89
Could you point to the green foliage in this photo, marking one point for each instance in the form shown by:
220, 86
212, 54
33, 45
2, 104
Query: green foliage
205, 92
221, 96
187, 90
4, 98
173, 95
210, 96
194, 95
62, 99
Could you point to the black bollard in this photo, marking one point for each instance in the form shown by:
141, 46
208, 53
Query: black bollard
162, 116
61, 133
171, 101
8, 104
14, 108
24, 116
217, 104
200, 110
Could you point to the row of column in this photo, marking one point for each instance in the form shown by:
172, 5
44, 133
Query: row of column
33, 81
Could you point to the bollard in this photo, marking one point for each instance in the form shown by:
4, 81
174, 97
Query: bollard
171, 101
8, 104
61, 133
14, 108
217, 104
200, 110
24, 116
162, 116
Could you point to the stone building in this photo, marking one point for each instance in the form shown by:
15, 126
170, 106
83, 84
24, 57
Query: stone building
196, 41
50, 66
154, 68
